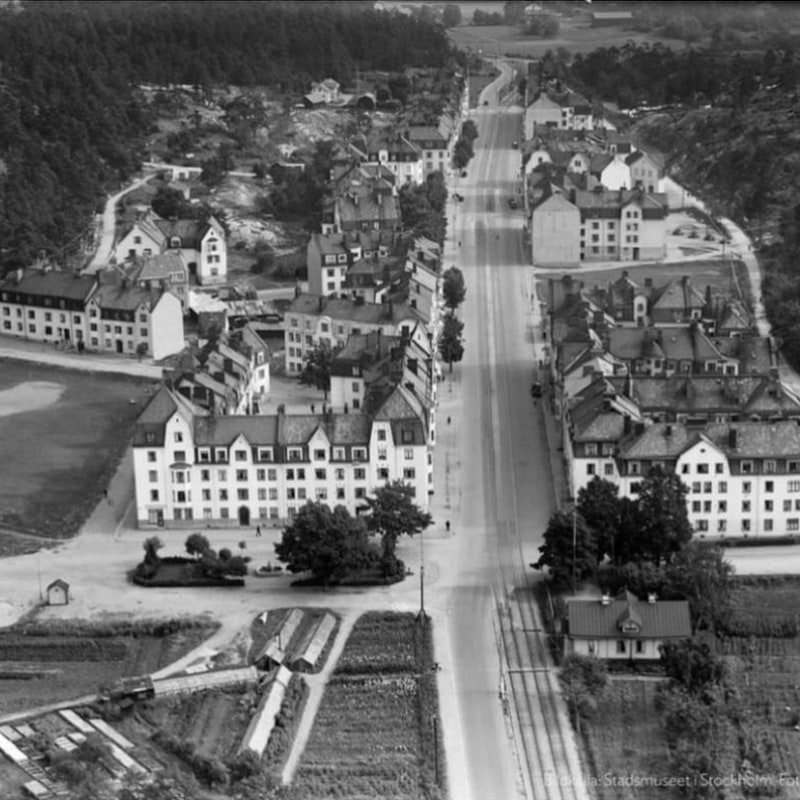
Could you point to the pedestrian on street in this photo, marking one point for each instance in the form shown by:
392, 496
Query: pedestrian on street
448, 420
258, 530
447, 526
105, 495
312, 408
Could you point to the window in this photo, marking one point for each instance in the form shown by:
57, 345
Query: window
787, 505
153, 476
747, 487
684, 469
747, 467
722, 525
262, 494
180, 455
261, 474
769, 467
242, 494
634, 468
745, 506
295, 454
204, 455
408, 453
696, 487
409, 473
707, 487
206, 494
635, 487
608, 469
621, 646
222, 454
590, 449
793, 486
381, 435
769, 486
767, 524
339, 474
745, 524
706, 506
321, 494
718, 468
273, 494
702, 469
360, 474
722, 487
241, 474
223, 494
383, 473
319, 454
272, 474
154, 495
320, 474
702, 525
224, 513
722, 507
222, 474
590, 469
696, 506
793, 466
360, 454
339, 454
241, 455
793, 524
301, 493
205, 474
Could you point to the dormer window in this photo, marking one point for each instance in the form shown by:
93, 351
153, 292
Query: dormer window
264, 454
175, 241
221, 454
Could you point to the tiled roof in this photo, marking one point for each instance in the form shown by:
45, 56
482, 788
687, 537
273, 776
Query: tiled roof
337, 308
160, 266
120, 298
50, 283
544, 102
679, 295
662, 619
753, 440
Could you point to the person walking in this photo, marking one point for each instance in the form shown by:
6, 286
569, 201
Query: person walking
258, 530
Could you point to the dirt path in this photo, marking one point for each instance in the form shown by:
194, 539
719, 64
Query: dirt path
316, 684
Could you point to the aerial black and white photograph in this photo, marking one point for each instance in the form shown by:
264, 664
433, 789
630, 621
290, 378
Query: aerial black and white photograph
399, 400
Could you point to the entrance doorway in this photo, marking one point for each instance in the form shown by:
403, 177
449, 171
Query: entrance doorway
119, 345
244, 515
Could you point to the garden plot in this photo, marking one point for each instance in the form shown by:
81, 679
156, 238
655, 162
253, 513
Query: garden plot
372, 735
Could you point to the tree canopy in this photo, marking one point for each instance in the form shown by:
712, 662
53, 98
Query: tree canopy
454, 289
317, 368
451, 342
569, 550
330, 543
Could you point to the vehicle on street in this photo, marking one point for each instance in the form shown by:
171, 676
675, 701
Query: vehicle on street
515, 144
536, 389
512, 202
458, 197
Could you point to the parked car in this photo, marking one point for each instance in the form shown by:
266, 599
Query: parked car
536, 389
515, 144
458, 197
463, 173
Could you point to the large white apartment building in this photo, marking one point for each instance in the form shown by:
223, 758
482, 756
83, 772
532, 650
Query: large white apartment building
244, 470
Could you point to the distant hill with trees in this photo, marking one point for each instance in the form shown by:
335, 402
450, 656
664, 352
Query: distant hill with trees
72, 121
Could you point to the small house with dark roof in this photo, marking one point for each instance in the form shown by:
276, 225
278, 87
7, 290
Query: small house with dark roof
625, 627
58, 593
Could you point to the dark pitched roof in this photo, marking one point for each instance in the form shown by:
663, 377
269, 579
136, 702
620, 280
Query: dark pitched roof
626, 615
49, 283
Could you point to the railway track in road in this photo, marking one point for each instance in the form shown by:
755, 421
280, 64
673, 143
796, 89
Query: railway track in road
546, 743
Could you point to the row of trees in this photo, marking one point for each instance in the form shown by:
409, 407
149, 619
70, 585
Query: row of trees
212, 564
464, 150
423, 208
333, 545
451, 337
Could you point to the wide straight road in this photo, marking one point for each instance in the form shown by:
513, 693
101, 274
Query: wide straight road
511, 716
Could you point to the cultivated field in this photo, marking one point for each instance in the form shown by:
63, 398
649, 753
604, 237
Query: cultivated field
626, 737
59, 456
44, 663
373, 733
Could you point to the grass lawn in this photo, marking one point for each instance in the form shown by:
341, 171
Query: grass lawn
372, 735
60, 457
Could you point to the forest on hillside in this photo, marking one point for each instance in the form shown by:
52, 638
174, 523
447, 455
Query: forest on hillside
72, 122
731, 134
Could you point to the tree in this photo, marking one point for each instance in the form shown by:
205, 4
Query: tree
569, 550
317, 368
196, 544
700, 574
151, 547
393, 513
692, 665
451, 345
665, 520
598, 504
330, 543
584, 680
454, 290
451, 17
168, 203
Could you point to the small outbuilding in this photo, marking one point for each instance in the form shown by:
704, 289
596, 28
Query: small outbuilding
58, 593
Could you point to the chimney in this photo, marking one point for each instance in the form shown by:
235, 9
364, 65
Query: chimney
605, 600
733, 438
651, 598
626, 425
18, 275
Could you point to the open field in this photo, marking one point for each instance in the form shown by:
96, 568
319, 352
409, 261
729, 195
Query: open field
373, 733
60, 456
75, 664
575, 35
626, 737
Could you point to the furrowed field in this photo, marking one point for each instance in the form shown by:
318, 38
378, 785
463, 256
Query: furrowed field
373, 733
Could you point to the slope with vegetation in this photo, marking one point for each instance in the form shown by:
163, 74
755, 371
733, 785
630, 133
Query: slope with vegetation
73, 120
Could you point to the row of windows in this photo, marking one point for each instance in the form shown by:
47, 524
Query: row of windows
769, 466
704, 506
243, 475
792, 525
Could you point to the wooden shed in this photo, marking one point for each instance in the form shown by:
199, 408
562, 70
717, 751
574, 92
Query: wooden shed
58, 593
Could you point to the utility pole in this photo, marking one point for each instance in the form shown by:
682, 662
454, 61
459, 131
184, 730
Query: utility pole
435, 724
422, 616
